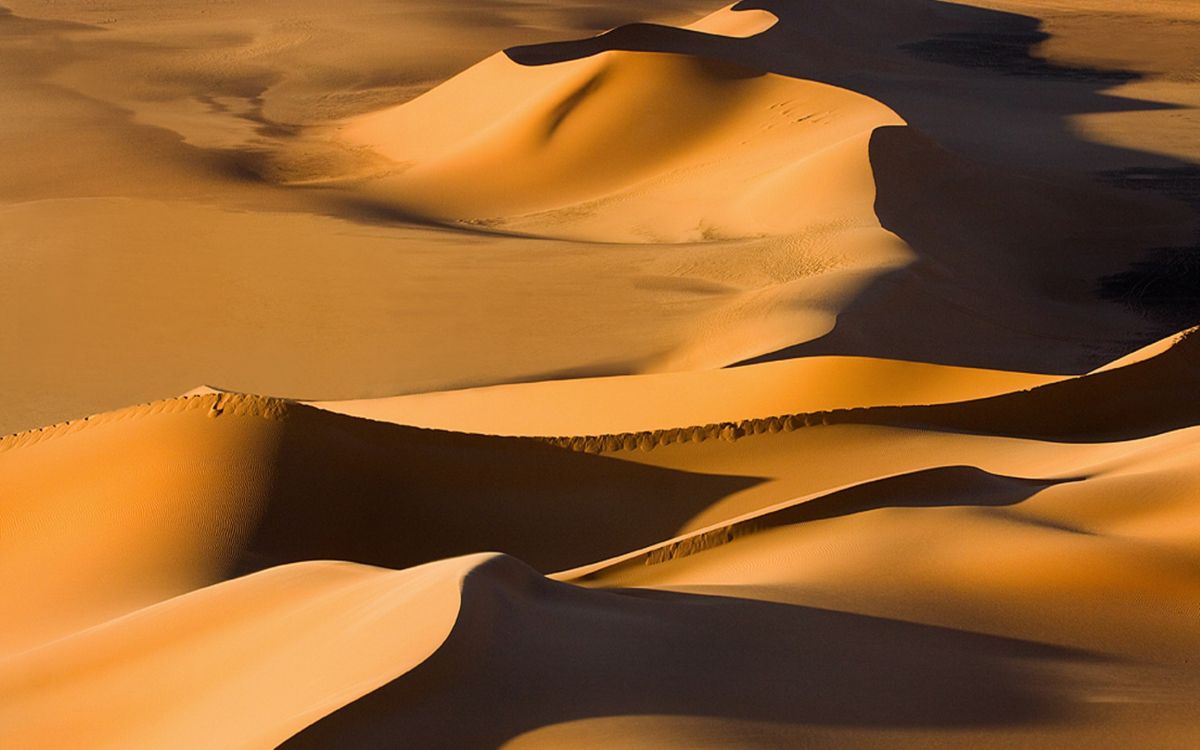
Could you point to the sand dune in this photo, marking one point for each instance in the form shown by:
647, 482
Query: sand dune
676, 135
627, 644
297, 483
797, 373
241, 483
1088, 419
319, 612
996, 233
664, 401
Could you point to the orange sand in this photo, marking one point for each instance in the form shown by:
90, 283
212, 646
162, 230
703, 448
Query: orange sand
799, 373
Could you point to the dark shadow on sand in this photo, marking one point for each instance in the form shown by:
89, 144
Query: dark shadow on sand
396, 496
988, 114
528, 653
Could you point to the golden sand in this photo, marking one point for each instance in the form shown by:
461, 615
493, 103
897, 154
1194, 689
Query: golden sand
798, 373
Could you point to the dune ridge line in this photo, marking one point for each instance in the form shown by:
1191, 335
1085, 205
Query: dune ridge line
234, 404
275, 408
777, 515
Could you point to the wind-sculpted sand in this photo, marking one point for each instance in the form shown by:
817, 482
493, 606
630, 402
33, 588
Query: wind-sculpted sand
798, 373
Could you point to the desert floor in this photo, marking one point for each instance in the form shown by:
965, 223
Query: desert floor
594, 374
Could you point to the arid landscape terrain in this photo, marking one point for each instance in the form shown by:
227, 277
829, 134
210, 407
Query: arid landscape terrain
592, 374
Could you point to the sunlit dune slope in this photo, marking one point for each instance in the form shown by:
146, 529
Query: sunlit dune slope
193, 172
244, 664
626, 146
1012, 568
352, 656
118, 511
662, 401
786, 376
996, 535
671, 669
1021, 538
1088, 420
241, 483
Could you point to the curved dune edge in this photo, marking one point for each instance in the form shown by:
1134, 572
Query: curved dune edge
1019, 413
1148, 351
362, 664
306, 638
977, 559
281, 482
214, 401
365, 677
112, 515
1176, 348
838, 501
635, 403
683, 656
736, 22
840, 386
288, 632
509, 147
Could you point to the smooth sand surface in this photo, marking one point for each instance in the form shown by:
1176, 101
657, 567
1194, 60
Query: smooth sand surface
1016, 582
179, 206
797, 373
662, 401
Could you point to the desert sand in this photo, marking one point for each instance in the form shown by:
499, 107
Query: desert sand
797, 373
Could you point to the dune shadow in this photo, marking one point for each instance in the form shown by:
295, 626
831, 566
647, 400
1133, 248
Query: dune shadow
908, 54
531, 653
938, 487
1146, 398
395, 496
1008, 50
972, 185
1164, 285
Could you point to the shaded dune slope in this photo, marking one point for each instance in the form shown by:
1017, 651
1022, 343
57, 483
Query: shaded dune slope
1136, 400
1044, 237
634, 648
809, 550
662, 401
244, 483
241, 483
934, 487
521, 157
966, 525
959, 219
359, 637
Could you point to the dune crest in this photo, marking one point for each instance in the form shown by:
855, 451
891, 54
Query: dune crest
640, 403
735, 22
797, 373
691, 148
345, 629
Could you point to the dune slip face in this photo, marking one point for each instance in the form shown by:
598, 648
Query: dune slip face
794, 373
